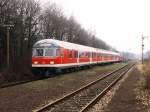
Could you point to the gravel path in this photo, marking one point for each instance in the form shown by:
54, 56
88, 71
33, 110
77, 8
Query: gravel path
125, 99
122, 98
26, 97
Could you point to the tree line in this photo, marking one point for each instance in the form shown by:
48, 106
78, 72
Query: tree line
31, 22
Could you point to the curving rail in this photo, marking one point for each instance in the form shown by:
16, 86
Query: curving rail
83, 98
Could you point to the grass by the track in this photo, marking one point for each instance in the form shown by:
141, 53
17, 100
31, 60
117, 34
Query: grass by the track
82, 76
34, 94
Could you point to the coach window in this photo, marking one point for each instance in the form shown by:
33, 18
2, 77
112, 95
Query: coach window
87, 54
80, 54
61, 52
103, 56
58, 52
76, 54
49, 52
70, 53
98, 55
84, 54
92, 55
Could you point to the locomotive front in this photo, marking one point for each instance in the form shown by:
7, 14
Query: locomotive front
45, 55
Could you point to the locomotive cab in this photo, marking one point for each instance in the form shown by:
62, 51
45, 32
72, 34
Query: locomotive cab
44, 56
44, 53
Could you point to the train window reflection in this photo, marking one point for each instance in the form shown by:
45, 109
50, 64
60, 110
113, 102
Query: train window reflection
38, 52
49, 52
57, 52
46, 52
52, 52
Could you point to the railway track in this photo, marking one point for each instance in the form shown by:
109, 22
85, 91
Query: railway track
18, 83
82, 99
25, 81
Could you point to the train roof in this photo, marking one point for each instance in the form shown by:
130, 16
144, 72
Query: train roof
58, 43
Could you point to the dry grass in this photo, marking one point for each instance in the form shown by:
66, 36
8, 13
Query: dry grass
142, 90
145, 70
8, 76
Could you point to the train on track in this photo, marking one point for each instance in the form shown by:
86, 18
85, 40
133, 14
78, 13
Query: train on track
50, 55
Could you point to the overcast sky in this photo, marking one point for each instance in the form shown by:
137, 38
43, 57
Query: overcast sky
120, 23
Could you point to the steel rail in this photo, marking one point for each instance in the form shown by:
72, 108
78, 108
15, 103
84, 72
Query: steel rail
21, 82
99, 96
44, 108
16, 83
10, 84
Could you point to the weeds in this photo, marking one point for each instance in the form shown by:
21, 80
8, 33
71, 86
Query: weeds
146, 72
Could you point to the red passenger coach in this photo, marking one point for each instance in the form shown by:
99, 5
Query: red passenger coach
50, 54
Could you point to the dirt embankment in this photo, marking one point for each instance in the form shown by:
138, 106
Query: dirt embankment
145, 71
132, 95
143, 91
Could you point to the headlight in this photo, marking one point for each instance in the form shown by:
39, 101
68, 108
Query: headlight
51, 62
35, 62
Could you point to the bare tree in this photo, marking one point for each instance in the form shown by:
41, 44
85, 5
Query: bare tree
31, 23
23, 14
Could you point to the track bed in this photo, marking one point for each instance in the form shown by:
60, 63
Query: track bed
26, 97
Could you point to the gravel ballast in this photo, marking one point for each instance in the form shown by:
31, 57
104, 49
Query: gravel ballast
27, 97
123, 97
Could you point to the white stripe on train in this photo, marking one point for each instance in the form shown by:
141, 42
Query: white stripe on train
70, 64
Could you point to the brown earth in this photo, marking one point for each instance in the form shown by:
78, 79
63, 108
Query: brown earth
125, 99
26, 97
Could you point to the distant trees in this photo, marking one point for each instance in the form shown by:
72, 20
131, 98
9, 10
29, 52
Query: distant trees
31, 23
147, 55
24, 15
128, 56
54, 24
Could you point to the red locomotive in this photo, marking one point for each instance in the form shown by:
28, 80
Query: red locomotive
51, 54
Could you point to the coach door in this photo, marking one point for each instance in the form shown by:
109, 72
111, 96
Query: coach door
70, 56
90, 57
76, 57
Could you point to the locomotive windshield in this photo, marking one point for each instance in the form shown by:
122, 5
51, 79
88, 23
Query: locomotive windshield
46, 51
50, 52
38, 52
